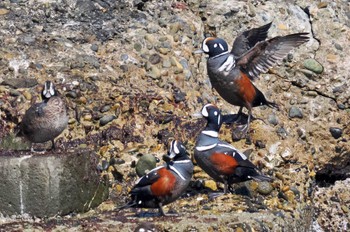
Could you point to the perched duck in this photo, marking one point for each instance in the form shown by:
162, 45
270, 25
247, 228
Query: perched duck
223, 162
163, 184
46, 120
231, 72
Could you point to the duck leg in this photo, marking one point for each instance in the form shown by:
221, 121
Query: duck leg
162, 213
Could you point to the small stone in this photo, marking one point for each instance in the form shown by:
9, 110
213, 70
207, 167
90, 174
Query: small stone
272, 119
264, 188
336, 132
166, 63
27, 95
3, 11
295, 112
87, 117
150, 38
94, 47
332, 58
20, 82
145, 164
106, 119
260, 144
179, 96
338, 47
155, 72
282, 26
105, 108
137, 47
313, 65
164, 51
72, 94
345, 209
322, 5
155, 59
211, 185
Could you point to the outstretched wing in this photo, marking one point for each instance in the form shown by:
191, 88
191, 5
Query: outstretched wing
246, 40
266, 54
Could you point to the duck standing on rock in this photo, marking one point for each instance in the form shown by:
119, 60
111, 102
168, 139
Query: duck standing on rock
46, 120
231, 72
219, 159
163, 184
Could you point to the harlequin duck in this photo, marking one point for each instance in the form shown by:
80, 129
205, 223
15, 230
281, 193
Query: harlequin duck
163, 184
46, 120
223, 162
231, 72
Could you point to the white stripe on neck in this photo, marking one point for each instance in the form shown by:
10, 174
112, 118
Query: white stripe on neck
177, 172
182, 161
204, 148
211, 133
219, 55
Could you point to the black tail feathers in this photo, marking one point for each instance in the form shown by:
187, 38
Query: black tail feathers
272, 105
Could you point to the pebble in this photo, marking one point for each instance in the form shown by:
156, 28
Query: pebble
264, 188
27, 95
94, 47
155, 72
272, 119
336, 132
145, 164
155, 58
211, 185
72, 94
313, 65
166, 63
106, 119
105, 108
3, 11
137, 47
295, 112
20, 82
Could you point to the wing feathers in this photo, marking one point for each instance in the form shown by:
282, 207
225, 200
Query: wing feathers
266, 54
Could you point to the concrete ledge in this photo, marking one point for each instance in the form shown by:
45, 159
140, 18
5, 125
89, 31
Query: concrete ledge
54, 183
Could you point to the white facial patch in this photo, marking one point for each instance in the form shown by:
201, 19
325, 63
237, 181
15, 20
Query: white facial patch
216, 45
219, 119
222, 47
176, 149
52, 90
205, 47
205, 110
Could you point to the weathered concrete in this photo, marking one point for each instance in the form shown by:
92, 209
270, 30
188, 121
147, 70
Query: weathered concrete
49, 184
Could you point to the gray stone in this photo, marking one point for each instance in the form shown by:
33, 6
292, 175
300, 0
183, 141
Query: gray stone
107, 119
336, 132
272, 119
313, 65
295, 112
49, 184
145, 164
94, 47
20, 82
264, 188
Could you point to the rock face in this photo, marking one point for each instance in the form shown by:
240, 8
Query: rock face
132, 83
50, 184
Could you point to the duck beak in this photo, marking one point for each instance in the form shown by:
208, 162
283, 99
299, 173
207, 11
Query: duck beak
198, 51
